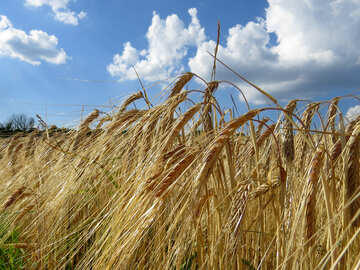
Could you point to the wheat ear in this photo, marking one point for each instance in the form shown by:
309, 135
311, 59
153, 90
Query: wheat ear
126, 118
332, 117
337, 147
306, 118
180, 83
130, 100
211, 87
216, 146
14, 197
313, 177
261, 125
288, 140
88, 120
352, 182
178, 125
102, 121
12, 143
174, 173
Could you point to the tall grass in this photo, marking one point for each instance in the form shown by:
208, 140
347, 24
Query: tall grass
164, 188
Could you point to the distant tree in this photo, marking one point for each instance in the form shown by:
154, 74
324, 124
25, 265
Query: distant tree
5, 126
19, 122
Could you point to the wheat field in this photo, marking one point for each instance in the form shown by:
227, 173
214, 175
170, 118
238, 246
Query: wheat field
183, 184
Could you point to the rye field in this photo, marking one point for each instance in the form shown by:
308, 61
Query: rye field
184, 184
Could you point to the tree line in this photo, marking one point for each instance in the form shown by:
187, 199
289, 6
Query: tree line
17, 123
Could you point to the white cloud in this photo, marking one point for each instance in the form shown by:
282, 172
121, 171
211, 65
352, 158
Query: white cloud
69, 17
168, 41
353, 112
316, 49
61, 11
32, 48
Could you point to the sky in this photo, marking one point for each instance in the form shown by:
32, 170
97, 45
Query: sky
63, 58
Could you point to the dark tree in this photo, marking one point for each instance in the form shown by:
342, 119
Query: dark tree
5, 126
19, 122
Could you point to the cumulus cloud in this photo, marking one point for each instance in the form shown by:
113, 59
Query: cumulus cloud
353, 112
315, 49
61, 11
32, 48
168, 44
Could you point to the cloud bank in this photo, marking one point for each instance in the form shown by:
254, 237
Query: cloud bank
315, 49
60, 9
32, 48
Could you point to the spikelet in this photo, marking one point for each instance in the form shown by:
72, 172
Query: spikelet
264, 188
128, 101
180, 83
352, 182
313, 177
288, 138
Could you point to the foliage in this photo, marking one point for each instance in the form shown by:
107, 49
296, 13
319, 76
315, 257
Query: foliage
11, 256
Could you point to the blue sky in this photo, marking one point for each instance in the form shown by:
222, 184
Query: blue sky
61, 57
